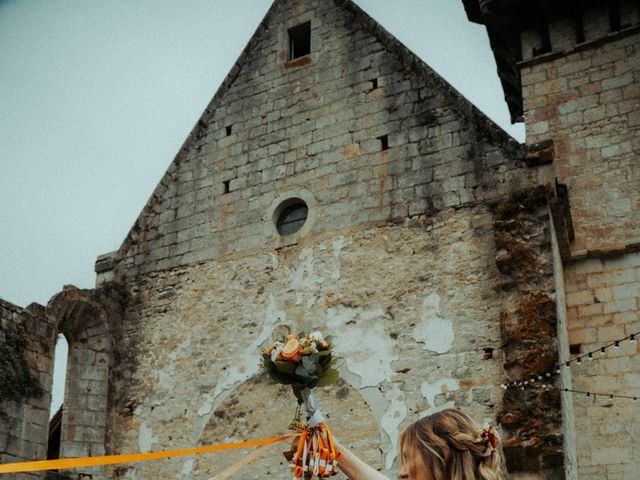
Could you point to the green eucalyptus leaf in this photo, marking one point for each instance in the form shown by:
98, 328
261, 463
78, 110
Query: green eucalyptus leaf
302, 373
310, 363
330, 377
285, 367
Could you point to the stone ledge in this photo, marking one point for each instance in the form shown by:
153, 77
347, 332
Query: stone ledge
608, 251
547, 57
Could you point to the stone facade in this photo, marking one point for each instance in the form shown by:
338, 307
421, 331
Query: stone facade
441, 254
585, 99
587, 102
579, 72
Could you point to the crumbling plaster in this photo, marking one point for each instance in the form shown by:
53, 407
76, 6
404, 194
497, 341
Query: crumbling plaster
200, 329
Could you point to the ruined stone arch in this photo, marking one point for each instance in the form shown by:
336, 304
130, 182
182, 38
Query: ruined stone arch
257, 408
84, 318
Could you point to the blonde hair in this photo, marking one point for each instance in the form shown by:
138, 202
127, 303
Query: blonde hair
453, 447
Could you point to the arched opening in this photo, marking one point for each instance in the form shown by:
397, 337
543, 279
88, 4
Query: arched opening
57, 396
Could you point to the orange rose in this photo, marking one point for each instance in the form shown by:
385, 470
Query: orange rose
291, 350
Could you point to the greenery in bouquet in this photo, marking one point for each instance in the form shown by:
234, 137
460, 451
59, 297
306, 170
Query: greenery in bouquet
302, 361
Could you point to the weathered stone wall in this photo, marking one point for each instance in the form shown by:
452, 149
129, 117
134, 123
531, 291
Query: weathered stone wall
412, 307
86, 318
531, 416
603, 297
27, 337
587, 100
311, 128
397, 258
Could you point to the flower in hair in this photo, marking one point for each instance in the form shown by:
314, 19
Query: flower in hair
489, 433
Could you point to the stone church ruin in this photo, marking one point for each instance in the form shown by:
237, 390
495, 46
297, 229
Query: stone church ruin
335, 182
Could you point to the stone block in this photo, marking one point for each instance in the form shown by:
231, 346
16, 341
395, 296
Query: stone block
610, 333
610, 455
628, 304
583, 297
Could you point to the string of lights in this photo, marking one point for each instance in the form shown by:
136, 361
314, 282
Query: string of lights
600, 351
543, 381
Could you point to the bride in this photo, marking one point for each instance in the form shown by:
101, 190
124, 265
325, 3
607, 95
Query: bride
448, 445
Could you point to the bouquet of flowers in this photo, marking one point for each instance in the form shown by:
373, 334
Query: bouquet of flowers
305, 361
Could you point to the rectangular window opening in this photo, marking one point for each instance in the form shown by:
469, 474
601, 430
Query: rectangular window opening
300, 40
374, 84
579, 28
575, 349
545, 39
226, 186
384, 142
228, 129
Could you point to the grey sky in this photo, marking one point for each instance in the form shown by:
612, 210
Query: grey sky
98, 96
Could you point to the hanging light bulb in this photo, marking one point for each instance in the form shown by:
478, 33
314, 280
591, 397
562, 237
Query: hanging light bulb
566, 365
557, 370
632, 338
616, 344
579, 361
602, 352
590, 357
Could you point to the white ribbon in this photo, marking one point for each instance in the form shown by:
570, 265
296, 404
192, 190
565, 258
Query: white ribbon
314, 415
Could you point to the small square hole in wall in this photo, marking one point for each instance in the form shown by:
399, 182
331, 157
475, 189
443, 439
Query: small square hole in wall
228, 129
374, 84
384, 142
575, 348
300, 40
226, 186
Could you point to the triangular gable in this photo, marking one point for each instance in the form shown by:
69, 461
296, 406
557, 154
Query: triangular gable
413, 66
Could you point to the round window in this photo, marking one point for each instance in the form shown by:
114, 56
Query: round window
291, 217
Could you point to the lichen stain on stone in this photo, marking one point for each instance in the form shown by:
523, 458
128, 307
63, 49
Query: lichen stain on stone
529, 335
433, 331
17, 380
530, 417
513, 255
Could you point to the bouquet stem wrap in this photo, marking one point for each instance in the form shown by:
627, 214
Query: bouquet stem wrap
316, 455
314, 415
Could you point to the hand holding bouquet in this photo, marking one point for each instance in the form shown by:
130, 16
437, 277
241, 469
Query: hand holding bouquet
305, 362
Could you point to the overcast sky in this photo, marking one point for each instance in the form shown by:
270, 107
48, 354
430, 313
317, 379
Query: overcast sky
96, 98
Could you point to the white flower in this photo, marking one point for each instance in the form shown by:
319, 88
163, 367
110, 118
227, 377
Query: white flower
317, 336
275, 353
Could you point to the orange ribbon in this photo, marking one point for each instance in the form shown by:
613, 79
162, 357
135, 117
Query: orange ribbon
66, 463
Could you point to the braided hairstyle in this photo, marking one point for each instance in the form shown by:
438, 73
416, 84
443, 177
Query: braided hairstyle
454, 447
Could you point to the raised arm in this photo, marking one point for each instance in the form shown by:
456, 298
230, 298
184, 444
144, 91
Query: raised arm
354, 468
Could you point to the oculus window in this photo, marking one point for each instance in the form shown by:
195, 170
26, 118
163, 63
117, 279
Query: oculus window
291, 216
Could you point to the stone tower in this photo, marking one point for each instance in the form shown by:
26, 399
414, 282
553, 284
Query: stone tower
571, 70
336, 182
